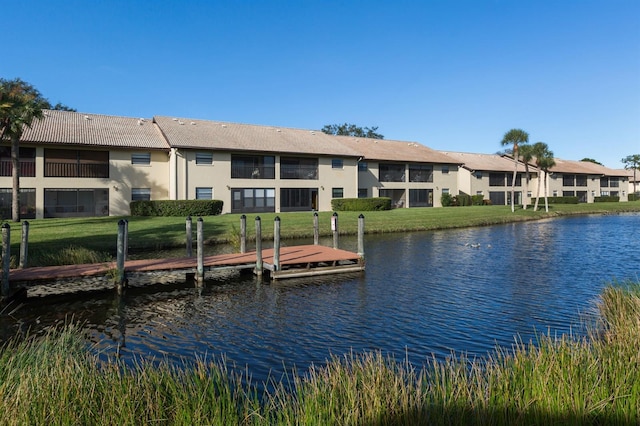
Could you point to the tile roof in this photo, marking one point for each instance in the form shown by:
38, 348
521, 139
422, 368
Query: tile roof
390, 150
486, 162
74, 128
217, 135
584, 167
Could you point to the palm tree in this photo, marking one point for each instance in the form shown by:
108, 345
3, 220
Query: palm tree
20, 104
632, 162
526, 155
514, 137
544, 161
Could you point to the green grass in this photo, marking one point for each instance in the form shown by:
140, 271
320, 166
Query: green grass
53, 379
81, 240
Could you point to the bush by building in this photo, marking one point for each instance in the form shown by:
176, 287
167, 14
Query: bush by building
176, 208
361, 204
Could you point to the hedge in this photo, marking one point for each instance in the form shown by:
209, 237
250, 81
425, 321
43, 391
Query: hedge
606, 199
634, 197
361, 204
176, 208
557, 200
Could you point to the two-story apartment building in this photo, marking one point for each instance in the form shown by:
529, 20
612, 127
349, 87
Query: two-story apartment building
586, 180
76, 164
409, 173
490, 175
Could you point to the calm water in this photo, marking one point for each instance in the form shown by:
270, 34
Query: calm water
422, 294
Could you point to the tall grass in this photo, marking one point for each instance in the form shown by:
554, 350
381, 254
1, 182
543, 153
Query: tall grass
595, 379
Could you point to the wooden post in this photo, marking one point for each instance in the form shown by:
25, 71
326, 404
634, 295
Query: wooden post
243, 234
24, 245
361, 236
334, 228
316, 229
276, 244
189, 237
6, 258
258, 247
120, 273
126, 239
200, 253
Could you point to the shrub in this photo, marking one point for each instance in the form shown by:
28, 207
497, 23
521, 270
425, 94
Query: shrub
634, 197
176, 208
446, 200
361, 204
462, 200
477, 200
606, 199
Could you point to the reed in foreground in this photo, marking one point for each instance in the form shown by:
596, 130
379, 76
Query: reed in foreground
55, 379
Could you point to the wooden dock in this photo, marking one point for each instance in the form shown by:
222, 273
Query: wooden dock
277, 262
295, 261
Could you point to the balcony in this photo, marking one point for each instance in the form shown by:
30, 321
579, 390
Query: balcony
298, 172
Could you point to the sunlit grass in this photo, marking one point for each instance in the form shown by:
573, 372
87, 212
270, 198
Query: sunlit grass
594, 379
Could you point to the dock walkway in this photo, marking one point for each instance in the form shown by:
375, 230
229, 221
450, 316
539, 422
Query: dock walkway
295, 261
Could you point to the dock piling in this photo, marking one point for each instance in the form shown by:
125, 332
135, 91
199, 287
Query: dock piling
120, 273
334, 228
243, 234
316, 229
361, 235
189, 236
259, 265
6, 258
200, 253
24, 245
276, 244
126, 239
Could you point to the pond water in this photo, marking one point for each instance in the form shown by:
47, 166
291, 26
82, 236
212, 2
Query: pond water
422, 294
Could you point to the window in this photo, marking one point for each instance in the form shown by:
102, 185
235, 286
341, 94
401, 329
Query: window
363, 192
73, 163
497, 198
581, 180
68, 202
27, 202
141, 158
445, 170
140, 194
204, 193
528, 194
604, 182
614, 182
298, 168
497, 179
337, 192
298, 199
568, 193
253, 200
204, 158
421, 198
478, 175
363, 166
568, 180
445, 190
27, 162
554, 193
337, 163
478, 192
253, 167
420, 173
392, 172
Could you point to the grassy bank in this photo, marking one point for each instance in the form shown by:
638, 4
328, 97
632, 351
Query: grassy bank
593, 380
88, 240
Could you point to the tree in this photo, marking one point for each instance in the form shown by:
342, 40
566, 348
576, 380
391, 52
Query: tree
347, 129
20, 105
632, 162
591, 160
514, 137
544, 161
526, 155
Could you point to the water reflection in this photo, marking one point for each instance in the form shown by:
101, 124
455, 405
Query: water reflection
422, 294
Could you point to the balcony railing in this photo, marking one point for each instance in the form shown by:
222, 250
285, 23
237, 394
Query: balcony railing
253, 172
82, 170
27, 168
298, 172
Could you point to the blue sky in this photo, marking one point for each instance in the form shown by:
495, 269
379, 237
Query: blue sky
453, 75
